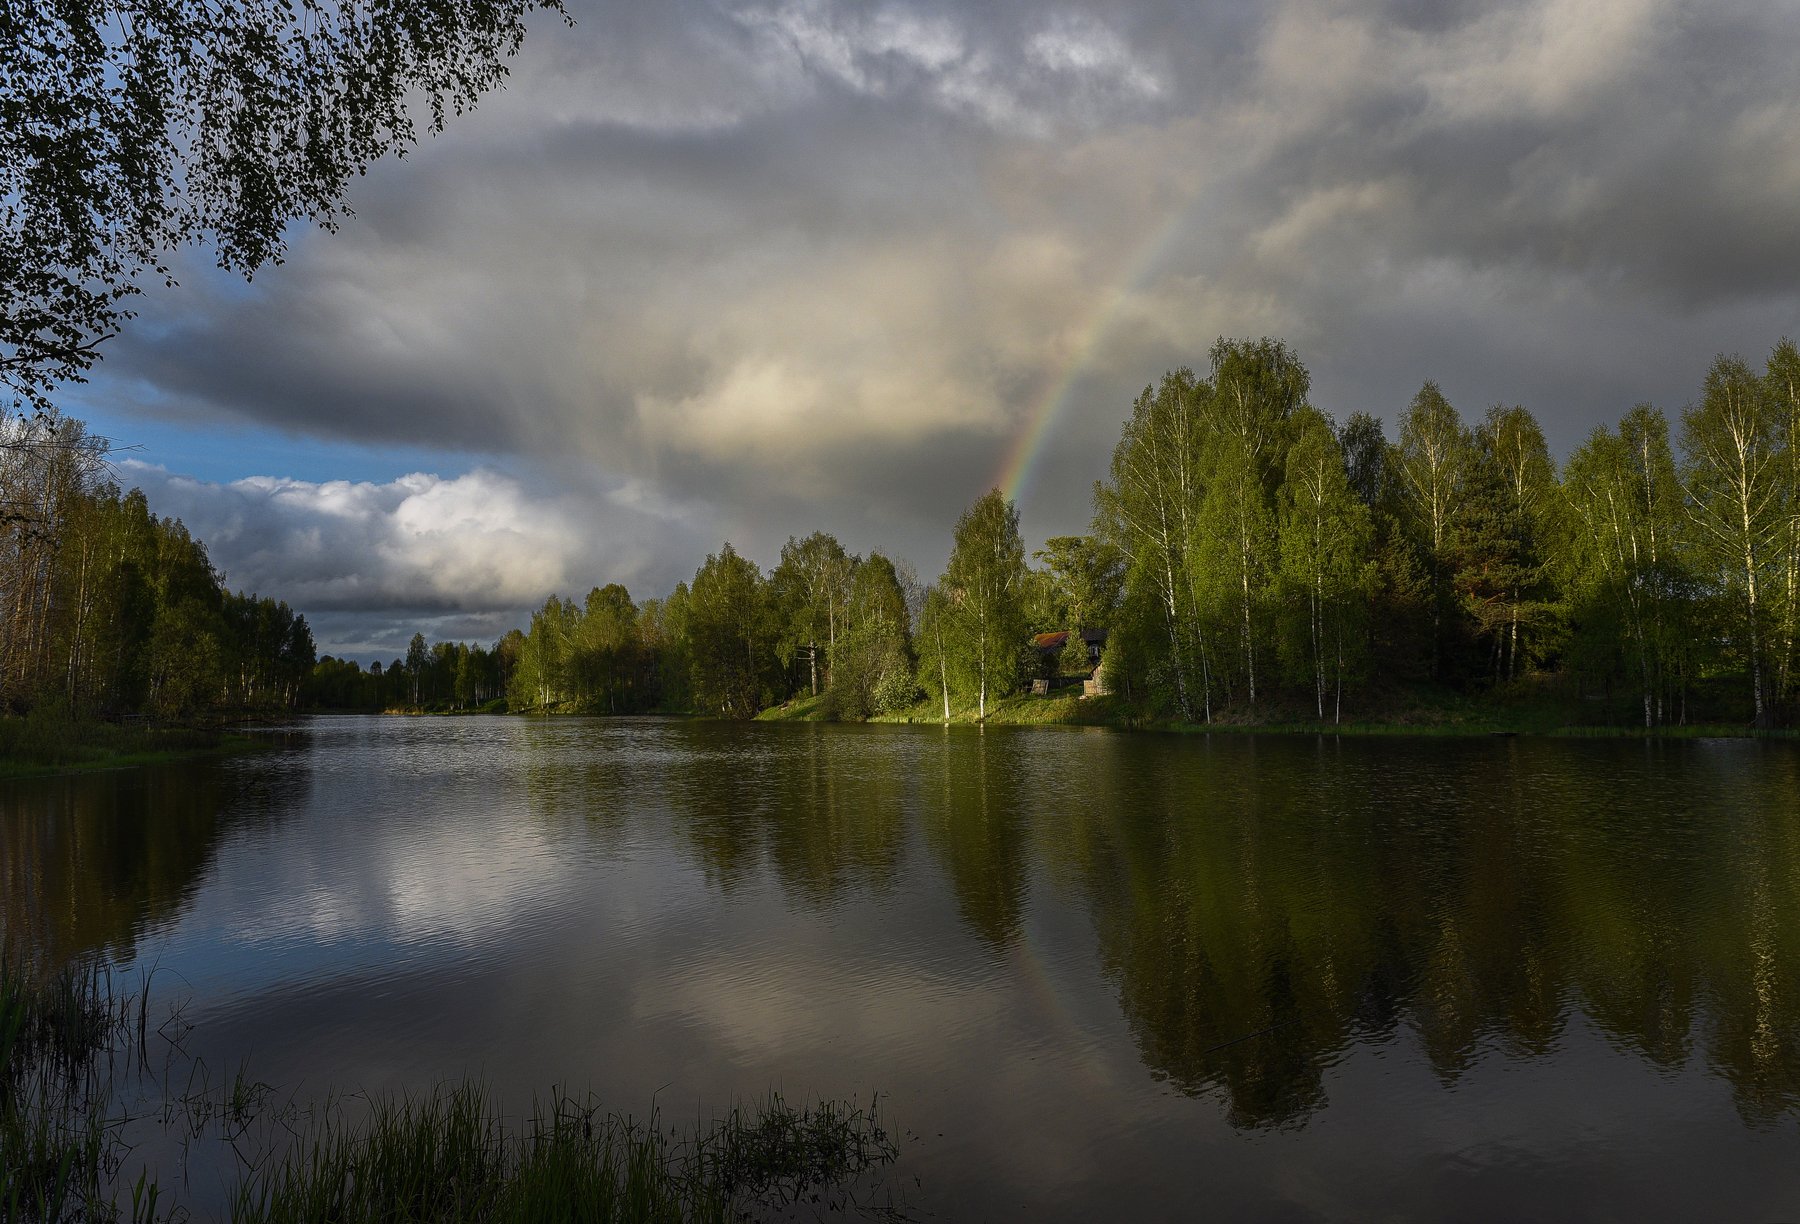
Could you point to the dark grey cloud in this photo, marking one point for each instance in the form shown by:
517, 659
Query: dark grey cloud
786, 264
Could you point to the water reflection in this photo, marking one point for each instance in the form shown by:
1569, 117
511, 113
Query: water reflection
1261, 910
90, 862
1260, 907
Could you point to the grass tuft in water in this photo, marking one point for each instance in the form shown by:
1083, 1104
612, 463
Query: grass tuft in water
449, 1156
445, 1156
59, 1035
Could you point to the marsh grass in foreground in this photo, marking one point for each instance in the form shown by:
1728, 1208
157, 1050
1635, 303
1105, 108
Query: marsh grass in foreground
70, 1041
63, 1036
451, 1156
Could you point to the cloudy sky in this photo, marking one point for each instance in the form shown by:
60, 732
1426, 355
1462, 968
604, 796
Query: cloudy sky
744, 269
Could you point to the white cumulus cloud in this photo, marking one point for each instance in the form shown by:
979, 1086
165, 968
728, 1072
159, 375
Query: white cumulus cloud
471, 552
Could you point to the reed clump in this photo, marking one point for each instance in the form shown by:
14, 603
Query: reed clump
62, 1034
69, 1037
450, 1156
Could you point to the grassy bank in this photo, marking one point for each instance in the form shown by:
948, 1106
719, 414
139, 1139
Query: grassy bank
77, 1070
1398, 712
50, 744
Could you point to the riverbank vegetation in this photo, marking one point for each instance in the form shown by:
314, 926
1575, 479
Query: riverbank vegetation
1253, 562
112, 613
50, 740
78, 1072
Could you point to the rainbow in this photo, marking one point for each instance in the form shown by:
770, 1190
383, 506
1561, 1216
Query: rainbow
1040, 418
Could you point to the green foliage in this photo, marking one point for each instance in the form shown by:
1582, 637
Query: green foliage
1327, 574
1738, 506
450, 1156
130, 130
810, 595
982, 613
1365, 458
1087, 576
1148, 511
1245, 556
1455, 553
1433, 464
663, 628
57, 1032
936, 654
110, 611
871, 664
731, 633
1072, 659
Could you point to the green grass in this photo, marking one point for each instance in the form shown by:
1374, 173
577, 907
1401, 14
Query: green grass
1402, 711
450, 1155
800, 709
62, 1034
48, 742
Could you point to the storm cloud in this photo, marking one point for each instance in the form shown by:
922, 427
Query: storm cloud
779, 266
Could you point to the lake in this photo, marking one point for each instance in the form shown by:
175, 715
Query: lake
1091, 974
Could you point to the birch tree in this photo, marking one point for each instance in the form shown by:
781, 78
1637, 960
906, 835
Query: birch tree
1257, 387
983, 584
1783, 381
811, 587
1621, 556
1148, 510
1511, 444
1431, 463
1326, 571
1234, 552
131, 129
1734, 497
933, 640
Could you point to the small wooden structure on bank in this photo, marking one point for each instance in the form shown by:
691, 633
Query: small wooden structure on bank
1050, 647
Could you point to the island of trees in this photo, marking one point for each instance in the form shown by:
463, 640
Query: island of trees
1250, 561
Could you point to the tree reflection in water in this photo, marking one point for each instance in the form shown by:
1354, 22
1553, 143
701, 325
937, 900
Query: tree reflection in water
1260, 905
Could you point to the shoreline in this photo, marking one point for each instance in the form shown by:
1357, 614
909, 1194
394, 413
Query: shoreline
96, 747
1022, 710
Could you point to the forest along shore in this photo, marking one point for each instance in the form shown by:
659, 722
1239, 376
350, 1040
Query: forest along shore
1251, 562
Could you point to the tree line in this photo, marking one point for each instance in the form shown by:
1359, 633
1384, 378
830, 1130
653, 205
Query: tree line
1251, 558
1263, 543
112, 611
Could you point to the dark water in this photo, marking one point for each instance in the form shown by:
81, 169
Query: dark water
1094, 975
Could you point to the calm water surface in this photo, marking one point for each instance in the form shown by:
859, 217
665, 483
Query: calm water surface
1093, 975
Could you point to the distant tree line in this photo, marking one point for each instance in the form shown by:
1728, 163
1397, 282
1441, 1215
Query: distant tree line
1251, 558
112, 611
442, 676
